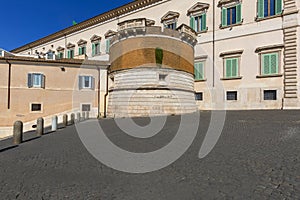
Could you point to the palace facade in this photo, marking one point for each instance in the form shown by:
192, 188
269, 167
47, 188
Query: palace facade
246, 55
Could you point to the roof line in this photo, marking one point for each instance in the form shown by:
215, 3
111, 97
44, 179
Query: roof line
132, 6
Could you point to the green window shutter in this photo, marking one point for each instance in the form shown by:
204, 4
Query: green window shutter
274, 63
203, 22
228, 67
260, 8
278, 6
266, 64
234, 67
224, 17
239, 13
192, 22
93, 49
196, 71
80, 51
199, 71
107, 45
69, 54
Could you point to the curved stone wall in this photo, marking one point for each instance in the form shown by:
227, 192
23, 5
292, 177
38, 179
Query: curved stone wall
142, 92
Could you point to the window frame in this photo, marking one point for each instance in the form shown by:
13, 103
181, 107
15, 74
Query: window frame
31, 80
201, 95
261, 63
203, 70
81, 82
71, 53
232, 91
82, 50
261, 11
202, 23
96, 50
84, 104
38, 111
269, 90
238, 70
224, 13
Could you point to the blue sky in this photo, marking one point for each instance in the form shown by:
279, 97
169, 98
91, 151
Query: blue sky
26, 21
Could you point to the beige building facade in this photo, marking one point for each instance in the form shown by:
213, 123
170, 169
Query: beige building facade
246, 56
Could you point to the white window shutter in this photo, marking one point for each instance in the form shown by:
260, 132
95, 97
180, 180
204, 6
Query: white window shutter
80, 80
29, 81
43, 81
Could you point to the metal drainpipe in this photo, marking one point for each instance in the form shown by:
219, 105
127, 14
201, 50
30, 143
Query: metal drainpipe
106, 94
99, 86
8, 84
214, 37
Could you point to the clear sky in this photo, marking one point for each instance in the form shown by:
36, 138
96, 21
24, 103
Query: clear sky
26, 21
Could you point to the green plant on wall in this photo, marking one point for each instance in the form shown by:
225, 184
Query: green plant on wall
159, 55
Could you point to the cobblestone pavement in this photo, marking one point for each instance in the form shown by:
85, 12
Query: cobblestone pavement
256, 157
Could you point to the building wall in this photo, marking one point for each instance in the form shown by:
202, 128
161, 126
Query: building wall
61, 93
248, 36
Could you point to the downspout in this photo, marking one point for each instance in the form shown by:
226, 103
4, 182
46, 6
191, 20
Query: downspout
214, 38
106, 94
8, 85
99, 86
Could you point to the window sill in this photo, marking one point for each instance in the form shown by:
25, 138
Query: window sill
257, 19
232, 25
232, 78
203, 80
200, 32
269, 76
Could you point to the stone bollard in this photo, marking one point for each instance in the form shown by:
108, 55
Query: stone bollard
78, 117
40, 127
83, 116
54, 123
72, 122
87, 115
65, 120
18, 132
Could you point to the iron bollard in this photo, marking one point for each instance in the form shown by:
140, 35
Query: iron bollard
40, 127
78, 117
72, 122
65, 120
87, 115
54, 123
18, 132
83, 116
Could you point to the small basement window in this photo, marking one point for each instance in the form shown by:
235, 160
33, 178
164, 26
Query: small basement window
86, 107
270, 95
35, 107
162, 77
231, 96
199, 96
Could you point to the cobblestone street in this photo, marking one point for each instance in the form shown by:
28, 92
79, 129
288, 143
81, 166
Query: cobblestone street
256, 157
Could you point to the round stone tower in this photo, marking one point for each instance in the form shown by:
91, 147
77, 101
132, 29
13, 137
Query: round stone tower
152, 70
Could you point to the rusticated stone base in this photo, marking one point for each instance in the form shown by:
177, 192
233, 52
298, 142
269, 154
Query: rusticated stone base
151, 92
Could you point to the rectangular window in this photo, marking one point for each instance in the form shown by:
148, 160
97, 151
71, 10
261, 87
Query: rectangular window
36, 107
231, 67
86, 107
82, 50
270, 95
60, 55
199, 96
36, 80
198, 23
231, 95
267, 8
96, 48
86, 82
71, 53
107, 45
199, 71
232, 15
270, 63
162, 77
172, 26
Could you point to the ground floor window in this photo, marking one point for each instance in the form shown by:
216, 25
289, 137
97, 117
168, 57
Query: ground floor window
86, 107
231, 95
199, 96
36, 107
270, 95
270, 63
